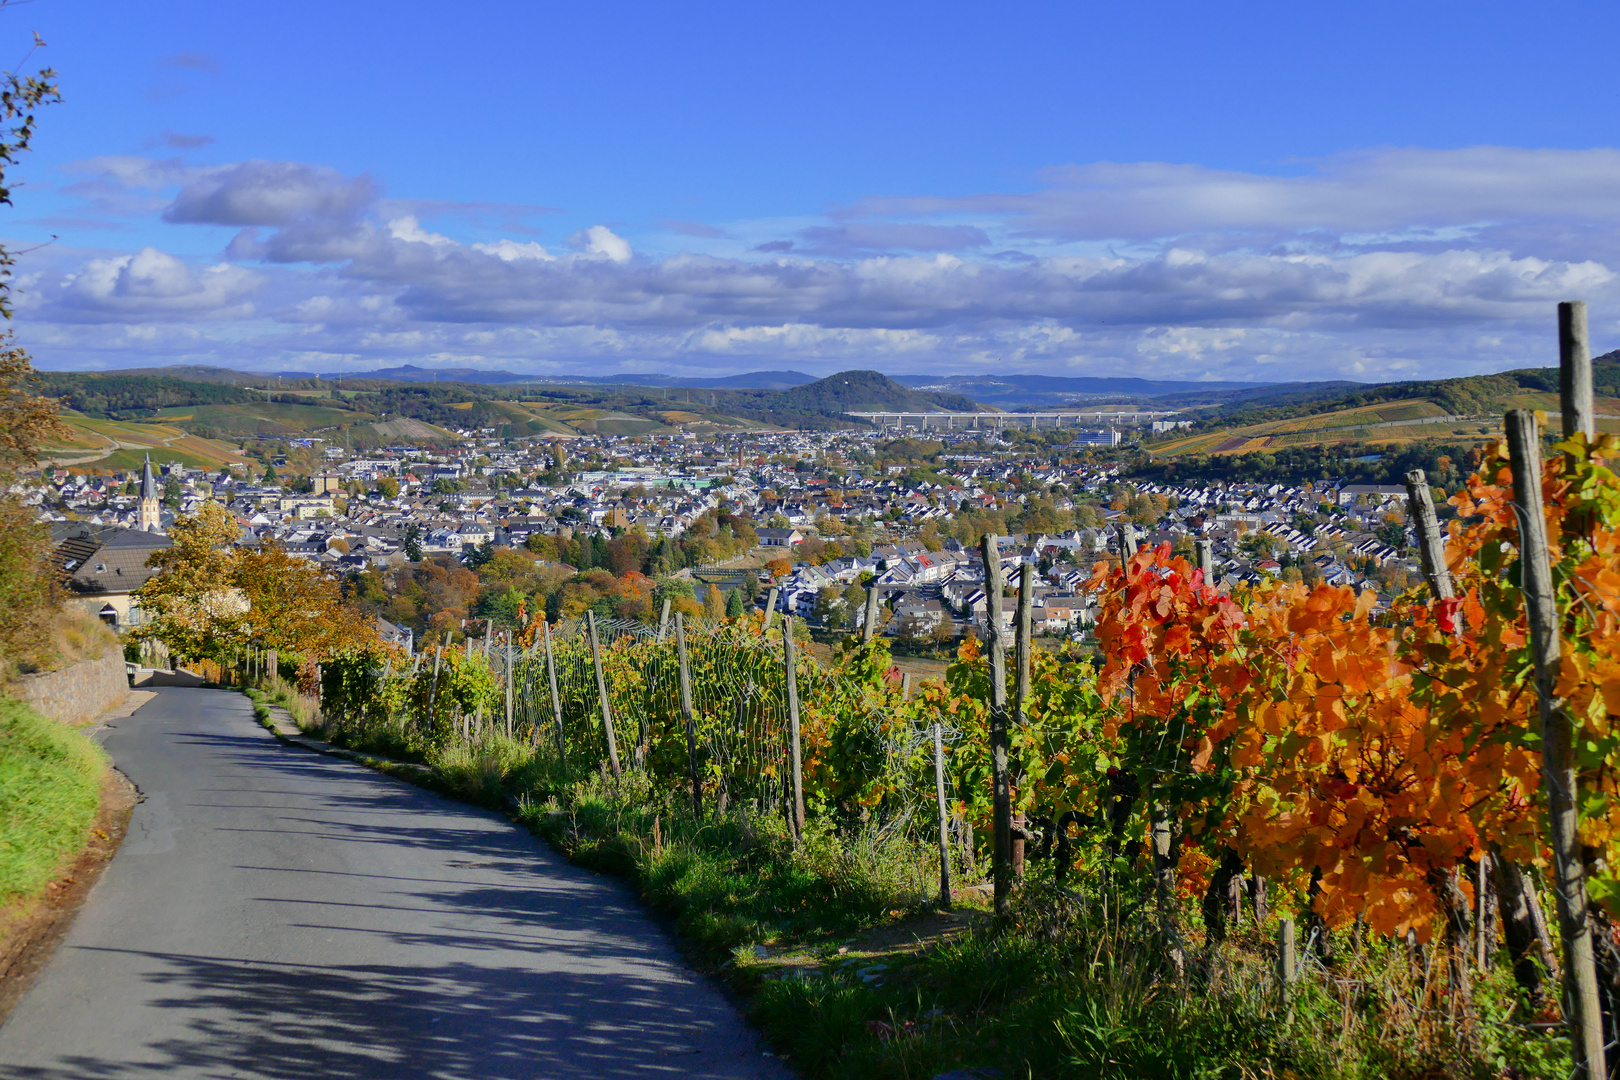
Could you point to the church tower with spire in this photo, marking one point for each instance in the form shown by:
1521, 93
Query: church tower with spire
149, 520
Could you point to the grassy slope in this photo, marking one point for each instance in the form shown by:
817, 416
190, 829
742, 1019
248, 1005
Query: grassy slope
1379, 423
50, 786
126, 443
266, 417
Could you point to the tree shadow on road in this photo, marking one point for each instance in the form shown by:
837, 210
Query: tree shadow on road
456, 1020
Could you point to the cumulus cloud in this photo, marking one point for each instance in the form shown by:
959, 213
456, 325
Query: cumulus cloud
1369, 265
601, 240
151, 284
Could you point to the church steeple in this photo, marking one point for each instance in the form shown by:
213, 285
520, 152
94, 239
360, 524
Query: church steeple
149, 520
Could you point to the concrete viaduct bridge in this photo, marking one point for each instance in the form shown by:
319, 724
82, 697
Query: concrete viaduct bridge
997, 420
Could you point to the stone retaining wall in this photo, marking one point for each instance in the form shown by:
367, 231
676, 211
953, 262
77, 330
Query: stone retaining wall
78, 693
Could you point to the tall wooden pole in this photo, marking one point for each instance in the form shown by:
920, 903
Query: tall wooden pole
686, 715
602, 694
1023, 642
1000, 780
1516, 901
556, 700
870, 626
663, 619
1204, 552
509, 684
433, 687
770, 609
944, 819
1575, 369
1582, 1009
793, 724
1431, 544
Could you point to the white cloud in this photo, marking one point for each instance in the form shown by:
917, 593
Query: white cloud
512, 250
151, 284
601, 240
410, 231
1390, 262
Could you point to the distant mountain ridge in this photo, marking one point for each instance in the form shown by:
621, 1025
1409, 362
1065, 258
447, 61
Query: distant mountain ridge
864, 390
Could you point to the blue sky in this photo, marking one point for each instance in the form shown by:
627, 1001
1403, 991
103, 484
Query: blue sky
1255, 191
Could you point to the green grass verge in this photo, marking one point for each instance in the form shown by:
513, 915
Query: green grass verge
50, 790
1058, 990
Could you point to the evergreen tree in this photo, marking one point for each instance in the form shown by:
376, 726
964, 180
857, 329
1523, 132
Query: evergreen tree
413, 543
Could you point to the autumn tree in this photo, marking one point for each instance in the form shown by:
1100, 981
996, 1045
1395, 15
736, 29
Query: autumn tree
28, 595
192, 604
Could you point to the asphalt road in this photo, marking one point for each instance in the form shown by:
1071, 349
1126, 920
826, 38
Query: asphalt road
279, 913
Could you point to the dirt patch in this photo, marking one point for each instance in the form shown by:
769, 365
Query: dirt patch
31, 929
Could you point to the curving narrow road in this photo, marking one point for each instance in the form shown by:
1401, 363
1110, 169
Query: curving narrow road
279, 913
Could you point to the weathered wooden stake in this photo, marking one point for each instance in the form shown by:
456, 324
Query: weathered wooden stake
1582, 1009
905, 686
870, 626
793, 724
509, 684
1204, 553
1431, 542
556, 701
1023, 644
770, 609
1575, 369
1000, 779
433, 687
602, 693
1287, 965
686, 715
663, 619
944, 819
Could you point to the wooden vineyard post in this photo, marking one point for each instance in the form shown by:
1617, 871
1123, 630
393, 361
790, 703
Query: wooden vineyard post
1204, 552
870, 625
793, 725
509, 684
1519, 908
1582, 1009
1287, 966
1000, 780
602, 693
663, 619
1127, 545
433, 688
1575, 370
686, 716
556, 701
944, 819
905, 686
770, 610
1022, 644
1431, 544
